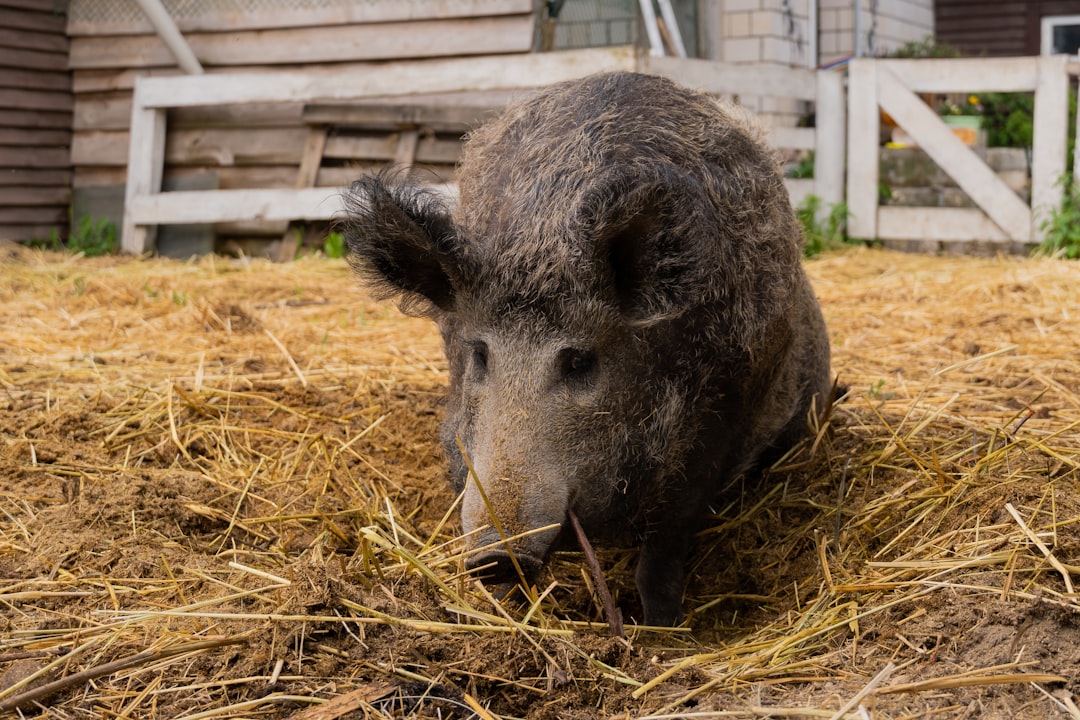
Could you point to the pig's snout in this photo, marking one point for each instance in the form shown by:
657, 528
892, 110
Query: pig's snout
498, 568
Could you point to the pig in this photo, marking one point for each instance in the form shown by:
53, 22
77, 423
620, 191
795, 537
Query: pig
626, 320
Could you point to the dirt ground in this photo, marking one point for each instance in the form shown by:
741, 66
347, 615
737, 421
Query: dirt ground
221, 496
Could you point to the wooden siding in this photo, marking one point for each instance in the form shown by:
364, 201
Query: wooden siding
261, 146
35, 120
996, 28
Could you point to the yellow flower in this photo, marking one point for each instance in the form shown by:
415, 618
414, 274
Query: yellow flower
973, 99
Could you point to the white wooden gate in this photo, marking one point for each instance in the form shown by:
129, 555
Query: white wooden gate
146, 206
1001, 216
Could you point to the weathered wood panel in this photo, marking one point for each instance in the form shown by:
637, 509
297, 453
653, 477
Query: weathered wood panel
241, 15
35, 120
388, 41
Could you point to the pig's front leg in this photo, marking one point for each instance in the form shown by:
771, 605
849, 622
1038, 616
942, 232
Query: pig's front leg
661, 573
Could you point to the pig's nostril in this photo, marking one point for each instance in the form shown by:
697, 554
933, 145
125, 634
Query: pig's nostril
497, 568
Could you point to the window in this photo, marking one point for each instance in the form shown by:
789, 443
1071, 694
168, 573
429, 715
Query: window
1060, 34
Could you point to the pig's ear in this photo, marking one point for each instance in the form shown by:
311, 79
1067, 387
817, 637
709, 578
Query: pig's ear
402, 242
645, 238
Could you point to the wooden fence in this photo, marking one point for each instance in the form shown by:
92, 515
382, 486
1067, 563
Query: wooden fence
1001, 215
146, 206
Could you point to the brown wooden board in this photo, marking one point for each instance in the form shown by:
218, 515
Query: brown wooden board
32, 59
23, 137
34, 119
47, 22
26, 196
35, 100
32, 157
257, 18
35, 79
23, 177
420, 39
33, 215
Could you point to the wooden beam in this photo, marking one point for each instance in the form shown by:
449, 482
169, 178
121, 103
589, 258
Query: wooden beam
387, 41
795, 138
1050, 142
1014, 74
862, 149
399, 78
145, 167
829, 146
718, 79
353, 13
973, 176
439, 118
935, 223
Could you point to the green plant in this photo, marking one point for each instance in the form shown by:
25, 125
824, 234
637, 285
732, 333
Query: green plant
334, 245
93, 237
1062, 227
803, 169
822, 234
928, 47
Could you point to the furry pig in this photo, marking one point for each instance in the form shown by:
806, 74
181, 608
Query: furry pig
627, 323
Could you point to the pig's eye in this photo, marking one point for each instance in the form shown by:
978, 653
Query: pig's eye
577, 364
479, 357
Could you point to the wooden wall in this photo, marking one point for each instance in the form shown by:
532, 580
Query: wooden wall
261, 146
996, 28
35, 120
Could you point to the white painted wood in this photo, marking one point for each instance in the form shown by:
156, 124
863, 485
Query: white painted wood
368, 11
829, 148
798, 189
652, 30
400, 78
1015, 74
188, 207
958, 160
668, 13
796, 138
145, 167
1049, 147
168, 32
862, 148
936, 223
720, 79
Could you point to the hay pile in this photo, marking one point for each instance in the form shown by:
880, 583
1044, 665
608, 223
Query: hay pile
222, 497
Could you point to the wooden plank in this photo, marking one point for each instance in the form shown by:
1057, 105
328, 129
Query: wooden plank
405, 154
797, 138
312, 157
943, 224
33, 215
798, 189
110, 79
718, 79
974, 177
829, 149
46, 22
1015, 74
31, 59
417, 77
26, 137
1050, 141
13, 99
31, 40
234, 205
24, 177
862, 149
53, 80
34, 119
147, 153
255, 17
29, 196
248, 176
389, 41
32, 157
428, 149
214, 146
439, 118
30, 232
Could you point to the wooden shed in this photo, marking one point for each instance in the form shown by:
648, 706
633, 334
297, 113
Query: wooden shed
35, 120
264, 146
996, 28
